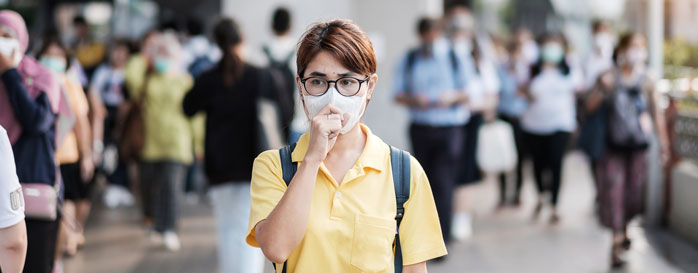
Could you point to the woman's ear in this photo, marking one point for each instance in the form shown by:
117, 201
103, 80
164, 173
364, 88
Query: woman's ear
371, 85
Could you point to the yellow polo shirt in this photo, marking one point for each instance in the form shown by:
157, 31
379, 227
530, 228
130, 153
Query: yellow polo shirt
352, 226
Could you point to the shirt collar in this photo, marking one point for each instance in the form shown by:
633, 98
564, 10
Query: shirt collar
374, 155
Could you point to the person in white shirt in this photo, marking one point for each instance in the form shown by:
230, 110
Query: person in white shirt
600, 59
13, 232
551, 116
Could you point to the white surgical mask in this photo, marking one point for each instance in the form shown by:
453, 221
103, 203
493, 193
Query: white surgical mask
7, 45
604, 43
351, 105
636, 55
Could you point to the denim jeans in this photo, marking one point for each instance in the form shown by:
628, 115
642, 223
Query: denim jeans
231, 207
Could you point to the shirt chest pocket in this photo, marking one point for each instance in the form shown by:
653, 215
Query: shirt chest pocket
372, 243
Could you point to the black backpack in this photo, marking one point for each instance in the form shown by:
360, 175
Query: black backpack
283, 82
400, 166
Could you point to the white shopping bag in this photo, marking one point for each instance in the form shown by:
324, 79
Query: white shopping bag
496, 149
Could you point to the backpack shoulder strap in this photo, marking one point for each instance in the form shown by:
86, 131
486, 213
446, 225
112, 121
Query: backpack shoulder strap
288, 170
288, 167
409, 65
400, 167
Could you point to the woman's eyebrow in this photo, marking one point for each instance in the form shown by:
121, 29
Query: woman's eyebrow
319, 74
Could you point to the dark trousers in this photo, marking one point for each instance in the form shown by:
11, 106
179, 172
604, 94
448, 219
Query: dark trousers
161, 184
547, 152
519, 142
41, 245
438, 149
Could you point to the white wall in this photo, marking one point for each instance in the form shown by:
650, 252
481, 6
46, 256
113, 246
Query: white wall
391, 25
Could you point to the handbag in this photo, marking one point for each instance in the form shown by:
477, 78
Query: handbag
40, 201
132, 133
496, 151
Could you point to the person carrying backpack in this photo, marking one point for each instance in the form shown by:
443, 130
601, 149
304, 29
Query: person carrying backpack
280, 52
627, 95
341, 199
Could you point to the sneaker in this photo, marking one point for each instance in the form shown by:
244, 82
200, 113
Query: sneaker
462, 227
171, 241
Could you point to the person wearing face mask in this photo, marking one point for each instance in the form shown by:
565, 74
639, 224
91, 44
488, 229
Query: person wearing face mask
108, 84
337, 213
158, 82
30, 102
592, 132
632, 115
74, 155
430, 82
476, 54
228, 96
550, 117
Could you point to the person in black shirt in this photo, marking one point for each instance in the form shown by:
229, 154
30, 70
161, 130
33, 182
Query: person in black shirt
228, 95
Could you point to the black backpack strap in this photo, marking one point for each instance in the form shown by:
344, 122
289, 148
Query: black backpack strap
454, 67
288, 167
288, 170
400, 166
409, 65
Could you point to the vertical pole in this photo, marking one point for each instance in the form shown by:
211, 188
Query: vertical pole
655, 35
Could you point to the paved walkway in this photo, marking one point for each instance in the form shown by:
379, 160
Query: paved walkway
504, 241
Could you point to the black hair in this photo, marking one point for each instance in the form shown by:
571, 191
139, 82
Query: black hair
170, 25
79, 20
426, 24
51, 37
227, 34
597, 24
194, 26
281, 21
563, 66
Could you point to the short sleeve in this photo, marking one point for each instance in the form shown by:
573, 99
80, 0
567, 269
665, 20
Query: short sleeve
266, 190
420, 230
76, 97
11, 199
99, 79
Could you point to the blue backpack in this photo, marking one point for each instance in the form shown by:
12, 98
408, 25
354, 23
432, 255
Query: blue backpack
400, 166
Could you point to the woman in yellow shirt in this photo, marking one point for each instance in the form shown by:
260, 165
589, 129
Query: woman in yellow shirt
338, 213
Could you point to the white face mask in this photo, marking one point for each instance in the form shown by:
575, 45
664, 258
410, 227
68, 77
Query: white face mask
604, 43
7, 45
351, 105
636, 55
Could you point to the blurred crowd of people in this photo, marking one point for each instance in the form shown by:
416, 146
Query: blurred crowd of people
483, 103
152, 117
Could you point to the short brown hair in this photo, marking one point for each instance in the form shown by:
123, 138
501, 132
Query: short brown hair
344, 40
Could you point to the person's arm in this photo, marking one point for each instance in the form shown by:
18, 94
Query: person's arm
281, 232
35, 115
659, 120
195, 100
13, 247
415, 268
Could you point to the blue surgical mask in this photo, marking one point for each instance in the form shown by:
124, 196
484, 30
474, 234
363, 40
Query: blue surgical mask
162, 65
552, 53
57, 64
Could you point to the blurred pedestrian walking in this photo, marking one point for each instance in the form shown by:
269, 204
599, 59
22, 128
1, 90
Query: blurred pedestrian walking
632, 116
157, 82
228, 95
550, 117
74, 155
30, 101
430, 81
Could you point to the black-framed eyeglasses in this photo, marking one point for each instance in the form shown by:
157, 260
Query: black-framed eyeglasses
347, 86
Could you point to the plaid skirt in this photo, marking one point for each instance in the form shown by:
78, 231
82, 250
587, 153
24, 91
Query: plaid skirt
620, 178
